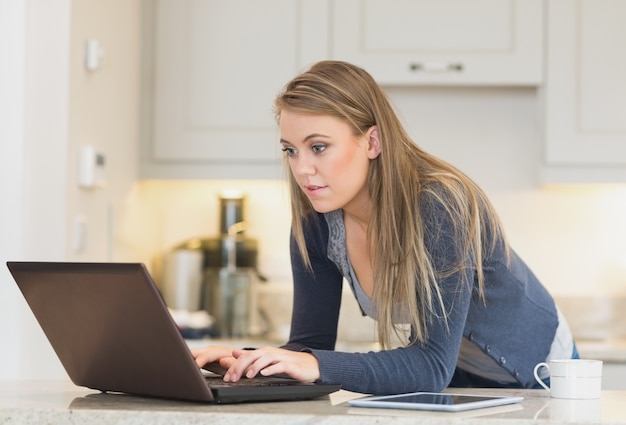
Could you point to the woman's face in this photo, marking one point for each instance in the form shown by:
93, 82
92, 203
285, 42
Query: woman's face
328, 161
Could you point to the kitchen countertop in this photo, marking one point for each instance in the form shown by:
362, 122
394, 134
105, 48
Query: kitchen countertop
60, 402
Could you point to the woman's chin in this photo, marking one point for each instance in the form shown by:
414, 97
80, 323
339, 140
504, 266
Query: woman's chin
323, 207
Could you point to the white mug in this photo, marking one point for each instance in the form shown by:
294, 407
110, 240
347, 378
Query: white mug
572, 378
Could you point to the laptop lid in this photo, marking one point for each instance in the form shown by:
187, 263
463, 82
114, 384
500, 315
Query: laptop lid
111, 330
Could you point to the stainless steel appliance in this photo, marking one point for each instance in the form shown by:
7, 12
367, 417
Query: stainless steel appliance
228, 266
183, 279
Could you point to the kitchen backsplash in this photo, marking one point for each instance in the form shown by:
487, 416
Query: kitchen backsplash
574, 239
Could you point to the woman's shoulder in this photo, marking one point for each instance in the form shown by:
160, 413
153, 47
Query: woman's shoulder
452, 207
435, 198
452, 196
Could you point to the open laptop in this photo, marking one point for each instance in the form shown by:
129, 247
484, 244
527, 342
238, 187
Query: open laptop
112, 331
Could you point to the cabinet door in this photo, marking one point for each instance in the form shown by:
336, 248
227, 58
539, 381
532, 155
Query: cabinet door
585, 92
487, 42
218, 64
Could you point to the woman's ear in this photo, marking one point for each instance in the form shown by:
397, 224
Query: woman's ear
373, 148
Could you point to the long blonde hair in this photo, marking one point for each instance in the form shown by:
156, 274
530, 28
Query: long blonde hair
404, 275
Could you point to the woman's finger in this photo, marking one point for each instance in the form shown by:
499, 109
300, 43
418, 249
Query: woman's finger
210, 354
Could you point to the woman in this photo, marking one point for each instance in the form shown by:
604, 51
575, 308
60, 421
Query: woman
419, 244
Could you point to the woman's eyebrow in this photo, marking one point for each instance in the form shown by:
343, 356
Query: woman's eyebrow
307, 138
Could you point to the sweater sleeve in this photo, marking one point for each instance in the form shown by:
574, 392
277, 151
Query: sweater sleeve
419, 367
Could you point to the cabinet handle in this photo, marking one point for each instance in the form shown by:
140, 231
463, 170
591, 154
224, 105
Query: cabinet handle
436, 66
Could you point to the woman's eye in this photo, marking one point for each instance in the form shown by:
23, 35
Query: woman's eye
318, 148
289, 151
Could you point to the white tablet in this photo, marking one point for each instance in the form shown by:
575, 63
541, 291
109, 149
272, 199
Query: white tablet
435, 401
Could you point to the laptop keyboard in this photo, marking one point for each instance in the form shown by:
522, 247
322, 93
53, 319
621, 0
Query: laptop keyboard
218, 381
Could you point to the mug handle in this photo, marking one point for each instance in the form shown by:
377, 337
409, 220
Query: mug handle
537, 378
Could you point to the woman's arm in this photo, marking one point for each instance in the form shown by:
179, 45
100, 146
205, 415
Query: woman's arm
427, 367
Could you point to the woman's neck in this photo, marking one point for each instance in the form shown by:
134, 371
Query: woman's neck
358, 216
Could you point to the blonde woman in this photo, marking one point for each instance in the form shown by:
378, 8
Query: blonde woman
417, 241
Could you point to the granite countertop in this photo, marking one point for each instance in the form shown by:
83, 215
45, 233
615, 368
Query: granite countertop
60, 402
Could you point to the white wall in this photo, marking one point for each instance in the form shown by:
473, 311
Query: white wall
34, 167
49, 106
104, 113
12, 41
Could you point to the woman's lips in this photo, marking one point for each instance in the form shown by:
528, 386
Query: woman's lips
312, 189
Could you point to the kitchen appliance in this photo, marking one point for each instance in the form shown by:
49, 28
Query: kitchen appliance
229, 274
183, 279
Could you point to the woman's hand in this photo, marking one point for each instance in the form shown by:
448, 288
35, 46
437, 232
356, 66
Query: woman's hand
268, 361
235, 364
216, 359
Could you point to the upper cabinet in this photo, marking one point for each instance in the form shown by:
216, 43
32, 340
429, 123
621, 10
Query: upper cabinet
585, 91
451, 42
215, 67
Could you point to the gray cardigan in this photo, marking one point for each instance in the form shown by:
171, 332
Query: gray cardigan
515, 325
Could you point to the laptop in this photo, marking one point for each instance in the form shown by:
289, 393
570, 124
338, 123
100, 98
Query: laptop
112, 332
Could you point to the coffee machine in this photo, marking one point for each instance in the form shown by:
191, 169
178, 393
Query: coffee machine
230, 275
230, 289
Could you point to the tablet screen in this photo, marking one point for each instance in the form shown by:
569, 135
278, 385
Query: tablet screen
434, 401
431, 398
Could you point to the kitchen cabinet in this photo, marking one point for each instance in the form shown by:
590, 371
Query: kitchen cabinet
584, 98
215, 67
442, 42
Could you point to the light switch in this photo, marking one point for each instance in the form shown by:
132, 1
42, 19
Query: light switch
91, 168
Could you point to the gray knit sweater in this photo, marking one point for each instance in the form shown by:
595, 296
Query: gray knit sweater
514, 326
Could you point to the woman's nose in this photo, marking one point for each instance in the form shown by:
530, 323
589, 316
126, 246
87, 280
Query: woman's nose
303, 167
